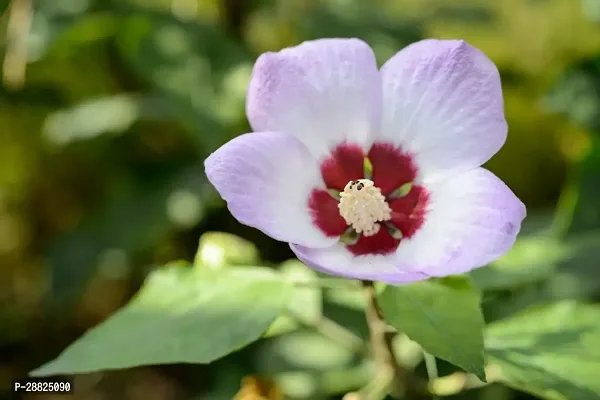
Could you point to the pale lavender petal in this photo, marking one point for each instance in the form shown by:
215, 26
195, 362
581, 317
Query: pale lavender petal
266, 179
442, 102
472, 219
322, 91
338, 261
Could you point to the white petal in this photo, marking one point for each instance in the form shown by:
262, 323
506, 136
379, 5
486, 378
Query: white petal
322, 91
442, 102
266, 179
472, 219
337, 260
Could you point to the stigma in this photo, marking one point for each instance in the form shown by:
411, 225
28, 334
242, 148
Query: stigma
363, 207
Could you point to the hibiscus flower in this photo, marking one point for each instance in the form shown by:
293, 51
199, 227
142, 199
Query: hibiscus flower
374, 174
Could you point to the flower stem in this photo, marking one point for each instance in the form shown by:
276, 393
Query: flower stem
432, 371
381, 341
332, 330
378, 388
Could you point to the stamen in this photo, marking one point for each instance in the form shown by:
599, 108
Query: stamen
363, 206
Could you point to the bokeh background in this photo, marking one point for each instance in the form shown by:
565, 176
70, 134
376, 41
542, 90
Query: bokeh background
109, 107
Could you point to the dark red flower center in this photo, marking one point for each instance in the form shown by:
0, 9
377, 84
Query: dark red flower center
390, 170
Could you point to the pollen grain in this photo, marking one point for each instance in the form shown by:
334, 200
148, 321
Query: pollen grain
363, 206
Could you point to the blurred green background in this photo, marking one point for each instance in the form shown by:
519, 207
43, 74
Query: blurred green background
109, 107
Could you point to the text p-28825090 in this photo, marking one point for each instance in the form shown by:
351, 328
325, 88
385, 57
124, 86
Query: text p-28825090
42, 386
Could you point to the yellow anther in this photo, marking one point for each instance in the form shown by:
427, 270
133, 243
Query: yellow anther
363, 206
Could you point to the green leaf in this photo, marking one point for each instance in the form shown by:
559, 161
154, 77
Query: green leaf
443, 316
550, 351
306, 303
180, 315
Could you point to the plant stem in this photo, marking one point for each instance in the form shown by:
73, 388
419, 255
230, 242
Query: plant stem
432, 371
332, 330
381, 341
379, 387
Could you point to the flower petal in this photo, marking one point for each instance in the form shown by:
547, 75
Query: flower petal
408, 212
442, 103
266, 179
391, 167
323, 91
326, 214
337, 260
344, 164
471, 220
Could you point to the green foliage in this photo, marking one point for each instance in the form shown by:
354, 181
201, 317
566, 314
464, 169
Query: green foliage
551, 351
181, 314
443, 316
101, 175
305, 306
197, 67
576, 95
530, 260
